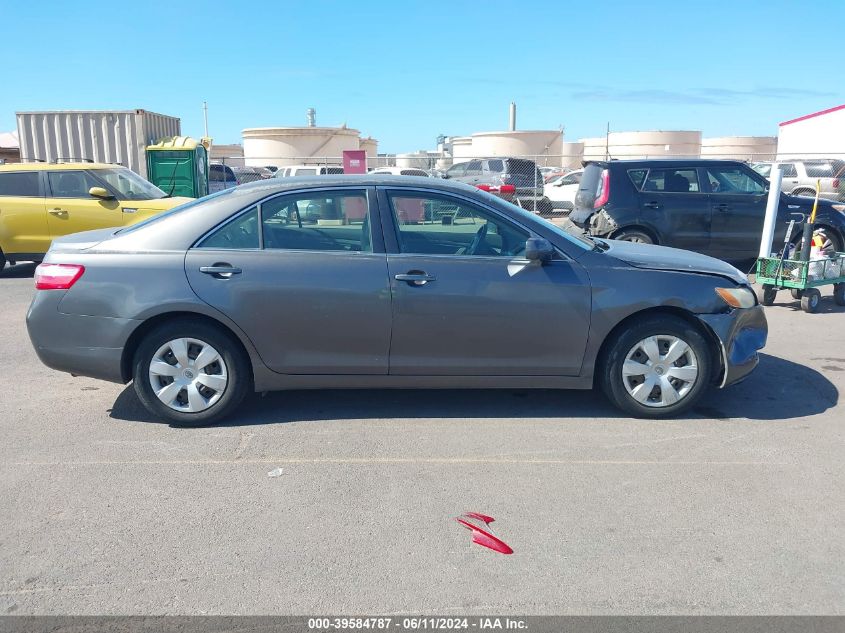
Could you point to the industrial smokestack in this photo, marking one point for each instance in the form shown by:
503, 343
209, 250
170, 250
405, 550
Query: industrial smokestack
311, 116
512, 126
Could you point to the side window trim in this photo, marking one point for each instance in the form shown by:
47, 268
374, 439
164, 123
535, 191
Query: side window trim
376, 237
39, 179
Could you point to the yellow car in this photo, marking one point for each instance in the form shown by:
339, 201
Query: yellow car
42, 201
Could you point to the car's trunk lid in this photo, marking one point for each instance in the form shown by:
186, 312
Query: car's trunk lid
81, 241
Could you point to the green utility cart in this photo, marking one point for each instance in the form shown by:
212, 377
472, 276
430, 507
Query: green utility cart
802, 279
178, 165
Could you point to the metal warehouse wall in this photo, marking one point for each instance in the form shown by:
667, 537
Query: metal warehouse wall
106, 137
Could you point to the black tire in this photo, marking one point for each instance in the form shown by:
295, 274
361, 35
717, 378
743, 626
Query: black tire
634, 235
767, 297
613, 383
839, 294
235, 362
810, 300
796, 293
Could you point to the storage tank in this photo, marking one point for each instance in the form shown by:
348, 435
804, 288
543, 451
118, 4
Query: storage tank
281, 146
740, 147
416, 160
542, 146
232, 154
654, 144
118, 136
369, 145
594, 148
461, 148
572, 154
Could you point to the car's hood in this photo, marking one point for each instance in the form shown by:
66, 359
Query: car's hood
665, 258
81, 241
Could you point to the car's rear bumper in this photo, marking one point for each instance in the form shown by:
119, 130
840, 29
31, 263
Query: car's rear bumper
77, 344
741, 334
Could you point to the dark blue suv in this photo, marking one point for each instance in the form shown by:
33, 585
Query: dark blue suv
715, 207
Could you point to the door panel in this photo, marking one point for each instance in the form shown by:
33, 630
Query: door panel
71, 209
465, 303
488, 316
306, 312
672, 202
23, 225
315, 299
738, 204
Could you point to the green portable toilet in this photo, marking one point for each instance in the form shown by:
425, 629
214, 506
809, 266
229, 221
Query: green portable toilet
178, 165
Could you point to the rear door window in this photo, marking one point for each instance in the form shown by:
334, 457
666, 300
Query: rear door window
456, 171
496, 166
474, 168
672, 181
789, 170
22, 183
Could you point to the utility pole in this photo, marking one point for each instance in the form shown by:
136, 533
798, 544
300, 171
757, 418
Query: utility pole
205, 116
607, 143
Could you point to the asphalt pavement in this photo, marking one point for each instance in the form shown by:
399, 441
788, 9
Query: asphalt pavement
735, 509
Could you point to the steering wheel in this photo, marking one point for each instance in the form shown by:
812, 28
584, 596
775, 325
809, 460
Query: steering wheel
478, 240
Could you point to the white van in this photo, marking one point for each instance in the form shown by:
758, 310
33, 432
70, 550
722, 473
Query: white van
307, 170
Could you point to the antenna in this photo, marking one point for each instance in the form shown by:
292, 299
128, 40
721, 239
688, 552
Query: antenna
205, 116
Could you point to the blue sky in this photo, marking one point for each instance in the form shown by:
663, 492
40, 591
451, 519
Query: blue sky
406, 71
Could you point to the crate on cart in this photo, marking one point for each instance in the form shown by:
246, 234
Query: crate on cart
802, 279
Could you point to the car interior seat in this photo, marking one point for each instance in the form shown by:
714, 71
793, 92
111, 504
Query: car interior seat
678, 184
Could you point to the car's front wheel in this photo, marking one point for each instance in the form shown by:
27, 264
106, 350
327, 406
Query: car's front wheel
658, 367
190, 374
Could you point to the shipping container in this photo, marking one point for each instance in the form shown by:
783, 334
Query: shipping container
118, 137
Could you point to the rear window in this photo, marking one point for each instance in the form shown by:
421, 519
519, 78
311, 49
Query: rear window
496, 166
333, 170
520, 167
305, 172
22, 183
637, 177
672, 181
413, 172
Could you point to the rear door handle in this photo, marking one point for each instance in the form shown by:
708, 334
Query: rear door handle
415, 278
721, 207
651, 205
221, 271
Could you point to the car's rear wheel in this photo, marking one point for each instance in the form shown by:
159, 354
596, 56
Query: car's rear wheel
190, 374
634, 235
658, 367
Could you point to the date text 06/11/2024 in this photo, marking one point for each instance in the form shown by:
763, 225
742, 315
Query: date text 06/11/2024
418, 623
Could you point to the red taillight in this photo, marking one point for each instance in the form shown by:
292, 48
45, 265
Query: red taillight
57, 276
507, 189
483, 187
836, 183
603, 194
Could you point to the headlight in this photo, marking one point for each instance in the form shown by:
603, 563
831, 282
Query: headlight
738, 297
839, 207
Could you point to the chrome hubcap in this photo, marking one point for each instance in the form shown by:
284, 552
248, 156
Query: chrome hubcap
660, 370
188, 375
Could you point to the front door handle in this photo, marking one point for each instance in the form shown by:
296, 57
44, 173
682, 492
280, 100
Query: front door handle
59, 213
415, 278
221, 271
721, 207
651, 205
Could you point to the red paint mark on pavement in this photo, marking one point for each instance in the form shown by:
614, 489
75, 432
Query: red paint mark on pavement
480, 536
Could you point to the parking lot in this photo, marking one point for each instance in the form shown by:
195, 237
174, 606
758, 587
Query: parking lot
736, 509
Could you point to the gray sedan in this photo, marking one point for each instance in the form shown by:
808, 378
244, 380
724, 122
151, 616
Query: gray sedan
384, 282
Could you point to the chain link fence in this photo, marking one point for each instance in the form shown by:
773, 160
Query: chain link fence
544, 183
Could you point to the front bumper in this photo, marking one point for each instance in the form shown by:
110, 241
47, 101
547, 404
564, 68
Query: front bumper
78, 344
741, 333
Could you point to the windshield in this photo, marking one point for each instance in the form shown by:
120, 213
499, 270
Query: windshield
129, 185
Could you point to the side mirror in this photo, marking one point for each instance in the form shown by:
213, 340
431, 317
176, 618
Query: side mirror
100, 192
538, 249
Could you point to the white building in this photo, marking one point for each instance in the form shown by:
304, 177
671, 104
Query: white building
817, 135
